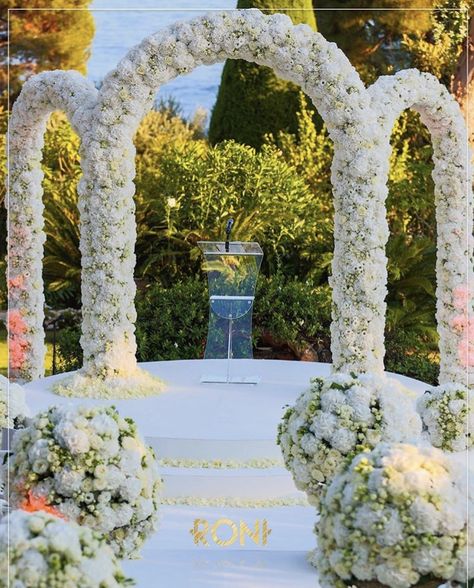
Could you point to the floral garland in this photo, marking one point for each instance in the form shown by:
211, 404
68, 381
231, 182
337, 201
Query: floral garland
13, 407
106, 189
39, 549
453, 191
339, 417
40, 96
396, 515
232, 502
90, 465
447, 413
221, 464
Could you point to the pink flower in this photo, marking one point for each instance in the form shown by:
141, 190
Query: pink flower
466, 352
460, 297
18, 282
459, 322
16, 352
16, 323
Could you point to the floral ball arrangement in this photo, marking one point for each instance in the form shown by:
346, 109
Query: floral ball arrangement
90, 464
338, 417
13, 408
394, 518
40, 550
447, 413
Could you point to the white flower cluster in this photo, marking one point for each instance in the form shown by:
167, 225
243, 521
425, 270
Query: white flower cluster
13, 407
90, 464
452, 176
394, 516
338, 417
447, 413
39, 549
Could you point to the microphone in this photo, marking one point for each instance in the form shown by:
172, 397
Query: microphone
228, 229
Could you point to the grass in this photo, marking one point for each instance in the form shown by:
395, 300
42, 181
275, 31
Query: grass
4, 353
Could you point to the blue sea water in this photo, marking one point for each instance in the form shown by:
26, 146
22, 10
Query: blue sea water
121, 24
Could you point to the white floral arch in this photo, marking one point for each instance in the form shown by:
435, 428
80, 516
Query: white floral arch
452, 176
108, 121
42, 95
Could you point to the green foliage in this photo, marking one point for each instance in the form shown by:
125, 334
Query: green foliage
408, 354
185, 194
61, 165
172, 322
3, 284
411, 301
45, 39
292, 313
369, 37
379, 42
252, 101
69, 352
438, 50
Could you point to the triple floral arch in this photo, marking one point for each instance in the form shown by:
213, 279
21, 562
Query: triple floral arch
359, 122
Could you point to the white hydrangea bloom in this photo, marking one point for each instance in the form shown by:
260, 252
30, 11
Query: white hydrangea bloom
447, 413
390, 526
338, 417
13, 407
41, 549
115, 492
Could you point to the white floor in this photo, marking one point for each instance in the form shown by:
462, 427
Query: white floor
233, 422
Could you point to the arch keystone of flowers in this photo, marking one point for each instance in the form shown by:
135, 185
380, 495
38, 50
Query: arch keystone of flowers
106, 121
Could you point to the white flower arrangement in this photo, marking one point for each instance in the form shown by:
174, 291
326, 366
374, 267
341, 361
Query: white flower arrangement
13, 407
90, 465
338, 417
39, 549
447, 413
396, 516
359, 121
232, 502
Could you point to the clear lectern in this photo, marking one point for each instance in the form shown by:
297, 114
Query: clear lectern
232, 270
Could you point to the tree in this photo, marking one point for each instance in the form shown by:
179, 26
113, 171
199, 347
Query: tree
371, 37
42, 38
252, 101
462, 85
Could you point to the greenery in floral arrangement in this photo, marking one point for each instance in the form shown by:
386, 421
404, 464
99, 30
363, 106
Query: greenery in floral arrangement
252, 101
91, 466
338, 417
395, 517
447, 413
39, 549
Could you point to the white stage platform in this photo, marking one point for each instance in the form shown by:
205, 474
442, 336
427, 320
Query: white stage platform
191, 423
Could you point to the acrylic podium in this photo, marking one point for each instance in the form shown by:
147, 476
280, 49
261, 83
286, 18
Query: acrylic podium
232, 270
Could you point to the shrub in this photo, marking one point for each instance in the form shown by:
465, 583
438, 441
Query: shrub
172, 322
187, 194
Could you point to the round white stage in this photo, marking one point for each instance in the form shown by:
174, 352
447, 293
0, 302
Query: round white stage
219, 460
